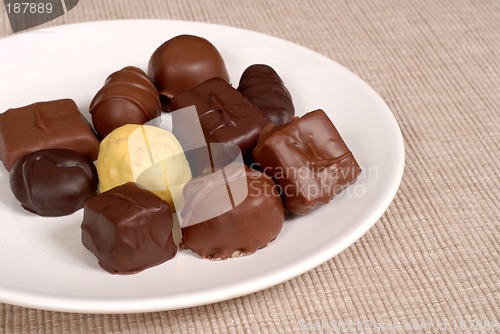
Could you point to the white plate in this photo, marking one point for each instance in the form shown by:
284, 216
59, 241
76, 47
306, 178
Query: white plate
42, 261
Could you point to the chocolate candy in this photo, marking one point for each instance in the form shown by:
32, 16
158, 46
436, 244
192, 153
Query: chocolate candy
225, 115
147, 155
184, 62
128, 229
53, 182
263, 87
230, 213
307, 159
127, 97
41, 125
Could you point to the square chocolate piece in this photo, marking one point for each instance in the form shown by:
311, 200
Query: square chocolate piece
308, 161
128, 229
43, 125
226, 116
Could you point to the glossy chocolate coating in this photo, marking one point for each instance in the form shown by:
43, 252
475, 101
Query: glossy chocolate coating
128, 229
248, 226
308, 160
184, 62
127, 97
225, 115
53, 182
42, 125
263, 87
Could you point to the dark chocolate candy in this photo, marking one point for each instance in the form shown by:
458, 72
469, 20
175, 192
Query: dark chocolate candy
263, 87
307, 159
53, 182
184, 62
127, 97
231, 214
128, 229
41, 125
225, 115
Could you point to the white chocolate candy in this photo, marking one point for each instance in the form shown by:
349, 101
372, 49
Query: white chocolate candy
148, 155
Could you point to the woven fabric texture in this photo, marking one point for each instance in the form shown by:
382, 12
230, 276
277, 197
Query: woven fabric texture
433, 257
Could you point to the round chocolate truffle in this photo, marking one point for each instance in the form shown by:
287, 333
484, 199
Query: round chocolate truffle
53, 182
184, 62
230, 213
127, 97
264, 88
147, 155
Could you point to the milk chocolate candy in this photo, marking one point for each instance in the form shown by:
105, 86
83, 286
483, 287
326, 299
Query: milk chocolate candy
225, 115
42, 125
230, 213
53, 182
128, 229
127, 97
184, 62
261, 85
308, 160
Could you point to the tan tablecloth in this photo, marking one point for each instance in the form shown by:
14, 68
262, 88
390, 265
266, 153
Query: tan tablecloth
432, 260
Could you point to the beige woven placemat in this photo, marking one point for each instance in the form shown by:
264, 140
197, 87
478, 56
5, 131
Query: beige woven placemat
431, 263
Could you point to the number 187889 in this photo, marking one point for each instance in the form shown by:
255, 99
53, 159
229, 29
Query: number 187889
29, 7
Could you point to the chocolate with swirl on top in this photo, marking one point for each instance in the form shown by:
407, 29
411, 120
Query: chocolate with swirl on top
127, 97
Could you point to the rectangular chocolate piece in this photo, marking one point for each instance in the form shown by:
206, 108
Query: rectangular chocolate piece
307, 159
43, 125
128, 229
226, 116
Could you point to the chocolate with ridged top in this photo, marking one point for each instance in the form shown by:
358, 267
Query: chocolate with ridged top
127, 97
225, 115
53, 182
307, 159
231, 214
128, 229
184, 62
263, 87
41, 125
